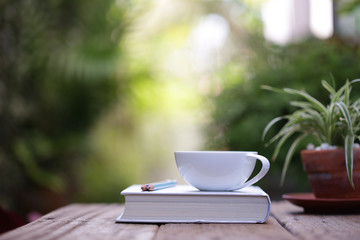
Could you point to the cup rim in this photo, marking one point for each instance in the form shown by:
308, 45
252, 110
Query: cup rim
216, 152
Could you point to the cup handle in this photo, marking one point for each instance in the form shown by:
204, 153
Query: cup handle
265, 168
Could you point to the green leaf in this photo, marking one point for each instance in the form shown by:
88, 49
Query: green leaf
284, 130
349, 157
270, 124
300, 104
356, 103
328, 87
330, 119
317, 118
347, 7
289, 156
316, 104
281, 143
355, 81
277, 90
347, 94
345, 112
338, 94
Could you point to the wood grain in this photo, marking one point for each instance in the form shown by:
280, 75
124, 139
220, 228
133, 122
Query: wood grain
316, 226
269, 230
83, 221
97, 221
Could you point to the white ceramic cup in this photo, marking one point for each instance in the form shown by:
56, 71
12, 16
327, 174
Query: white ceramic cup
219, 170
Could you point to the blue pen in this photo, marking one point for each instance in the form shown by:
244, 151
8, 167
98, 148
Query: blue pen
158, 185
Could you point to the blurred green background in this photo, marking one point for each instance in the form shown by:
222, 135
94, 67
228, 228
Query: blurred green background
97, 95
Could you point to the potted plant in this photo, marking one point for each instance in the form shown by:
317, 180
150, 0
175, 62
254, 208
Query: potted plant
335, 127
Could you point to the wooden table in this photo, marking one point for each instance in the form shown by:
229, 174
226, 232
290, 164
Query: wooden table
96, 221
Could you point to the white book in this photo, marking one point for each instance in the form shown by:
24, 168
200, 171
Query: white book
186, 204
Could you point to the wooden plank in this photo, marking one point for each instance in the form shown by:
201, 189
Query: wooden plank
316, 226
82, 221
96, 221
269, 230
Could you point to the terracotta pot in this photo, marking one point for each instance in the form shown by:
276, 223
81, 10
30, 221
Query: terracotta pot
326, 171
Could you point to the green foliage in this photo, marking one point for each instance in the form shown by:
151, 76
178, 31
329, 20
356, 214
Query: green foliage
346, 6
57, 75
243, 109
336, 123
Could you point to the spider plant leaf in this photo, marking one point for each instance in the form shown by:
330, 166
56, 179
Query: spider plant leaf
332, 79
328, 87
349, 157
317, 105
269, 88
317, 119
347, 93
330, 118
283, 131
270, 124
289, 156
300, 104
356, 114
346, 114
281, 143
338, 94
356, 103
355, 81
